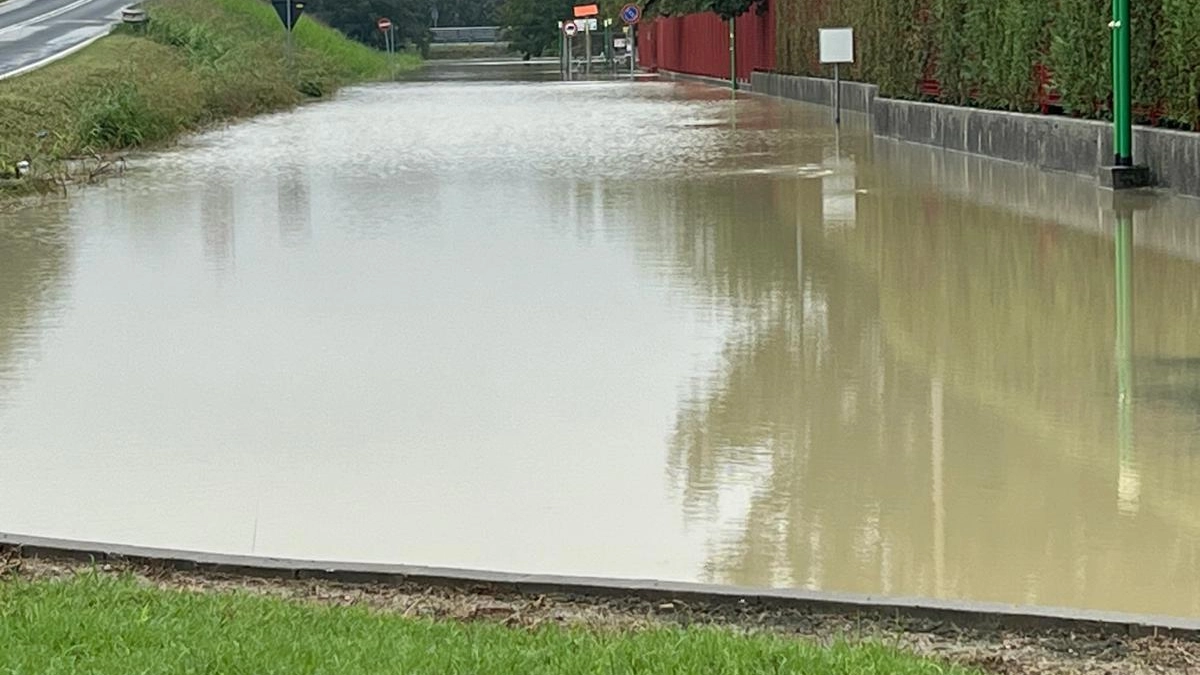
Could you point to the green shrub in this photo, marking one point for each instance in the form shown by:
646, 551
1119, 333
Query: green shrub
986, 52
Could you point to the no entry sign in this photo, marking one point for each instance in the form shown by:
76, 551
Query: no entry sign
384, 24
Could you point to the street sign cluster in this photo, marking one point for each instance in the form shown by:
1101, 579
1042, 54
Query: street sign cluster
586, 21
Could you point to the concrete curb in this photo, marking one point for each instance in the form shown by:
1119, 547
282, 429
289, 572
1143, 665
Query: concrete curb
976, 615
674, 76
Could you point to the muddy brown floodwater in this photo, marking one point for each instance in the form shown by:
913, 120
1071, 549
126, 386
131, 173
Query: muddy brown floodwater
619, 329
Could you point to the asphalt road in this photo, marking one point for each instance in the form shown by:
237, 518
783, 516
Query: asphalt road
35, 32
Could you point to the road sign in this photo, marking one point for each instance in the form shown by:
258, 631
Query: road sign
584, 11
570, 28
384, 24
586, 24
631, 13
289, 12
837, 45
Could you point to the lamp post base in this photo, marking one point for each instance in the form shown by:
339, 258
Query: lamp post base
1125, 177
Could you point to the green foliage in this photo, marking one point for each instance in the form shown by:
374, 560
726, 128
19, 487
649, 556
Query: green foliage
198, 62
1180, 59
99, 624
356, 19
987, 52
726, 9
531, 26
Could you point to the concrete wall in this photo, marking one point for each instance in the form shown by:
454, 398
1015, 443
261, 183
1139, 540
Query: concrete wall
856, 97
704, 79
1046, 142
1056, 143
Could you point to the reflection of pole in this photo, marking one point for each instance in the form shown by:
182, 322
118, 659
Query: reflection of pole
732, 55
937, 456
1128, 482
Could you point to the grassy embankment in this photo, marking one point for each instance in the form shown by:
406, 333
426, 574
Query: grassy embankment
100, 623
198, 62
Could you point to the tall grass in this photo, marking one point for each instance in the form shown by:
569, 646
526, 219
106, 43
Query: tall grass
198, 62
99, 624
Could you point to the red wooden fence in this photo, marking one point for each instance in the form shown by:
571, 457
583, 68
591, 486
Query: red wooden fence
698, 44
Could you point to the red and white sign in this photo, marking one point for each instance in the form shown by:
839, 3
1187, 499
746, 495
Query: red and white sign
384, 24
570, 28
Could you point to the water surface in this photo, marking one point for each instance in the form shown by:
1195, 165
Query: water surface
640, 330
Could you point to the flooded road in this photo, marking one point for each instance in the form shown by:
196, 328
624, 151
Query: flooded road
617, 329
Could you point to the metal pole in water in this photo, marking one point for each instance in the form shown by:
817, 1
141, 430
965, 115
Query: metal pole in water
837, 95
633, 52
732, 55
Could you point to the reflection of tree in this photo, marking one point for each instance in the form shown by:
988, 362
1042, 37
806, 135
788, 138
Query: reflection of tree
34, 246
922, 402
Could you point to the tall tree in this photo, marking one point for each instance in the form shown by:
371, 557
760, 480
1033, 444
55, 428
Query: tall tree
356, 18
532, 25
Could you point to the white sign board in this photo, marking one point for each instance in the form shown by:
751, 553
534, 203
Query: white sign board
837, 45
586, 24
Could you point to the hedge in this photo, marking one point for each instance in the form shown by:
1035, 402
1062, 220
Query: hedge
987, 52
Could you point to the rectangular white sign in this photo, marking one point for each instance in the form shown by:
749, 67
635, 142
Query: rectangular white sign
837, 45
586, 24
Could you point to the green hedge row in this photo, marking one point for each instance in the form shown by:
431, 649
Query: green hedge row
986, 52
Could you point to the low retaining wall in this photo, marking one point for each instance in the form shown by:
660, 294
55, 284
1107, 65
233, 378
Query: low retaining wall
856, 96
966, 614
714, 81
1045, 141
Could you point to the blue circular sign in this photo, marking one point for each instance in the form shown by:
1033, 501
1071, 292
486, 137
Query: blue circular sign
631, 13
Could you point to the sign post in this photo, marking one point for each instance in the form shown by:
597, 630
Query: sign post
837, 47
289, 12
733, 54
389, 40
631, 14
587, 12
569, 30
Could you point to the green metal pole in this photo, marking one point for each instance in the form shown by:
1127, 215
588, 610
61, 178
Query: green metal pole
1122, 91
732, 55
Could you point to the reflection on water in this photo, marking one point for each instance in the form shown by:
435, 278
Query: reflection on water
640, 330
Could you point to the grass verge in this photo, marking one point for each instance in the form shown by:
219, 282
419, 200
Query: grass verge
103, 623
198, 62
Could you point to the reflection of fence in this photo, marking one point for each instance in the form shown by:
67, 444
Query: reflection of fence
698, 44
468, 34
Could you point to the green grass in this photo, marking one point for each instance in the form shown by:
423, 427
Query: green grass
97, 623
198, 62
